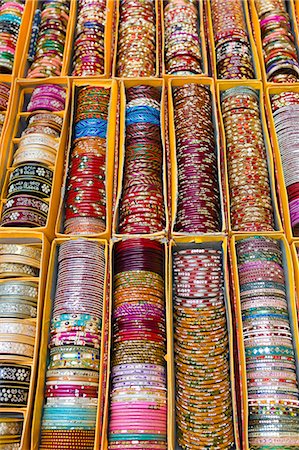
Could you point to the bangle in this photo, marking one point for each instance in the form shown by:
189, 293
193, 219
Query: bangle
85, 202
10, 21
15, 373
13, 396
198, 205
136, 37
28, 251
233, 51
270, 361
182, 40
138, 263
278, 41
142, 205
47, 57
251, 204
89, 45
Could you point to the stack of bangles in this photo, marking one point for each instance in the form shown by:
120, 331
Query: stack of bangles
49, 49
142, 202
4, 97
182, 39
10, 20
89, 42
85, 200
272, 384
250, 195
285, 109
138, 396
11, 425
136, 48
232, 45
198, 208
72, 376
279, 47
31, 175
18, 303
204, 417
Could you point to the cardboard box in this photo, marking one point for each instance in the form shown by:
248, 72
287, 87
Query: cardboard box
258, 37
219, 243
117, 20
258, 86
39, 240
179, 81
24, 66
290, 294
202, 36
48, 305
276, 89
16, 124
124, 84
107, 41
104, 441
76, 85
254, 52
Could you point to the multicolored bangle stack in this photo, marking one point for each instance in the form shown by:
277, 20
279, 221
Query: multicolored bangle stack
72, 377
204, 417
49, 50
279, 47
232, 45
10, 20
11, 425
4, 97
85, 202
250, 196
136, 48
273, 394
142, 203
18, 303
198, 209
285, 108
182, 39
31, 176
89, 43
138, 405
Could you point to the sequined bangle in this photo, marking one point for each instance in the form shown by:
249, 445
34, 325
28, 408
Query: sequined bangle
10, 21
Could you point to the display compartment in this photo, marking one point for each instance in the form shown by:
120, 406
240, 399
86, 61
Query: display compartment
110, 153
37, 241
290, 295
172, 83
258, 87
124, 84
17, 121
43, 355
